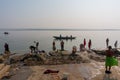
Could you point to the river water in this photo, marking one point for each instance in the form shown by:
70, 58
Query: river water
20, 40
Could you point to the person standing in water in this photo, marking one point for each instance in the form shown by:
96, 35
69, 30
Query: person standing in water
6, 46
62, 45
84, 43
89, 44
54, 47
107, 42
110, 60
116, 44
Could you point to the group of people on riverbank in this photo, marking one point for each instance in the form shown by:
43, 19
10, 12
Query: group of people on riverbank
110, 61
115, 44
83, 45
34, 49
61, 44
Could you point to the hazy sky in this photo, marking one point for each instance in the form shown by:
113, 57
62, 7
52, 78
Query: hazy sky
60, 14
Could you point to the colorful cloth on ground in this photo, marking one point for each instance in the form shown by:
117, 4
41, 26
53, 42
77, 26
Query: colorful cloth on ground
111, 61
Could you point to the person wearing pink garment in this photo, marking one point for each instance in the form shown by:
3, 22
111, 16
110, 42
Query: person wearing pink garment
89, 44
84, 42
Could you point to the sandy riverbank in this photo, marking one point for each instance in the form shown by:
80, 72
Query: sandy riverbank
89, 71
86, 66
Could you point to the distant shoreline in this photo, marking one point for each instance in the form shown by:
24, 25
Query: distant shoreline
26, 29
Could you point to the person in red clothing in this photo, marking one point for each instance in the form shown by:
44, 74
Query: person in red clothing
84, 42
89, 44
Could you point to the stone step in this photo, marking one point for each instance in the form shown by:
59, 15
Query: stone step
1, 66
55, 76
4, 70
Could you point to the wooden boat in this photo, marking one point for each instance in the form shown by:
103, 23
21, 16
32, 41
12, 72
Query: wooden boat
6, 33
61, 37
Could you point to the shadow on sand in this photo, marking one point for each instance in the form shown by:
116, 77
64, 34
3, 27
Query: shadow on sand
109, 77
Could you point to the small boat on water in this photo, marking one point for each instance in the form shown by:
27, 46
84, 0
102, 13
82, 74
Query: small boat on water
6, 33
62, 37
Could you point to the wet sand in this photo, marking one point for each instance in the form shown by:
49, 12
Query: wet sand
84, 71
22, 74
